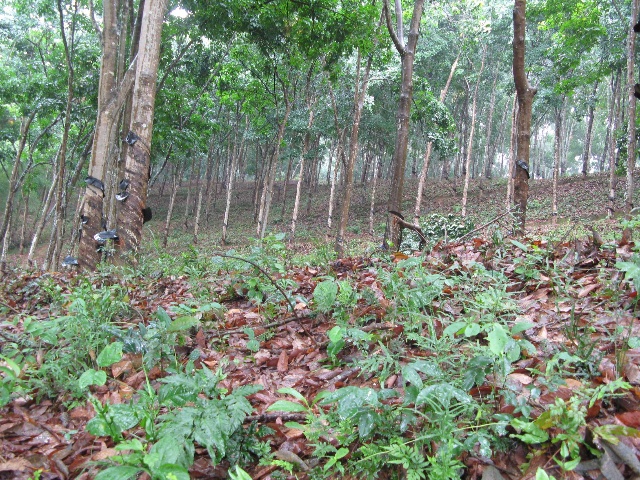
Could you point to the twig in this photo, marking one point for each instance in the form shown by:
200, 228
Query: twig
481, 227
10, 308
272, 417
280, 289
268, 325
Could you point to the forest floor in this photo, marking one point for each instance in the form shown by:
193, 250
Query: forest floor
494, 357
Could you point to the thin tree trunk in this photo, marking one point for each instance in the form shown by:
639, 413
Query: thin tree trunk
467, 173
285, 185
25, 217
427, 154
13, 180
488, 161
270, 176
617, 100
557, 153
334, 180
310, 103
631, 129
172, 202
512, 153
360, 92
587, 138
407, 55
230, 182
41, 221
373, 196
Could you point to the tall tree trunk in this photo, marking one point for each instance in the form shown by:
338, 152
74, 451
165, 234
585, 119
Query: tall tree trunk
310, 103
427, 154
631, 129
137, 162
58, 233
407, 55
25, 217
512, 151
525, 102
557, 152
13, 180
373, 196
488, 160
230, 182
467, 173
41, 221
587, 137
360, 92
613, 150
172, 202
270, 175
111, 98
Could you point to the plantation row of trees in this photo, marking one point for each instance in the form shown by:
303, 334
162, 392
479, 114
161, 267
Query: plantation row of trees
99, 101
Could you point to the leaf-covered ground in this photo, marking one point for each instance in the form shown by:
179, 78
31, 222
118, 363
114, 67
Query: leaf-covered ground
498, 358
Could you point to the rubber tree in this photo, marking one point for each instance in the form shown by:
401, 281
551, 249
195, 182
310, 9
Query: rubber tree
407, 50
525, 94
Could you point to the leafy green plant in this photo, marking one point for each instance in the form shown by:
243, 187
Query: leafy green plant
436, 227
196, 411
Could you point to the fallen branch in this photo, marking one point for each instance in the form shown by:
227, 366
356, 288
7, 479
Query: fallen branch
280, 289
481, 227
272, 417
268, 325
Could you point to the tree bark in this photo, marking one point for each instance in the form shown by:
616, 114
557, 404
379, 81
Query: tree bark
373, 196
137, 162
525, 102
407, 55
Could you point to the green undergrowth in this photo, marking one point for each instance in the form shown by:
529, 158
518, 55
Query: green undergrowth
434, 385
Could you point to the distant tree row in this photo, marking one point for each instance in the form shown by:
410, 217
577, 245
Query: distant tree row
99, 102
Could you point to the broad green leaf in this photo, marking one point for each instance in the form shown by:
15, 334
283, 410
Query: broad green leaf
97, 427
632, 272
411, 375
366, 423
472, 330
520, 245
286, 406
335, 334
111, 354
92, 377
342, 452
172, 450
498, 339
294, 393
12, 366
123, 472
169, 471
454, 328
521, 327
123, 416
239, 474
611, 432
183, 323
325, 295
133, 444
